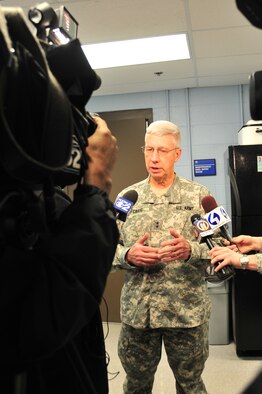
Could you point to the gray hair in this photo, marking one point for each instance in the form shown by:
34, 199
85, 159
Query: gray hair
164, 127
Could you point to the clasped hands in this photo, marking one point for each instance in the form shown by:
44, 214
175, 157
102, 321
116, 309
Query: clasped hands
175, 248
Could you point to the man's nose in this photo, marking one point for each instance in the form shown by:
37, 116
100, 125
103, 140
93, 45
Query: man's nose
155, 155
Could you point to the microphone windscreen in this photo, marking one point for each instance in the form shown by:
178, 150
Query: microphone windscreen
195, 217
208, 203
131, 195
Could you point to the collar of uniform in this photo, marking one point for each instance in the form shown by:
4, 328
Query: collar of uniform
173, 194
175, 191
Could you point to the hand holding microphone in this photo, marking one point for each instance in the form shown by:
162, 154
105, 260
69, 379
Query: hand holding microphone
247, 243
204, 232
218, 218
225, 256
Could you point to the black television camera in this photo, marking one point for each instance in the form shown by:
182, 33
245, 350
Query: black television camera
44, 126
44, 97
252, 10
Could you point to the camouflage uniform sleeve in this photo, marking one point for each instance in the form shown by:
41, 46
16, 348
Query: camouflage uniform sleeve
120, 261
198, 252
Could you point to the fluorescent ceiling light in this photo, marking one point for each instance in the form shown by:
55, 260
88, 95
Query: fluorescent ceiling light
137, 51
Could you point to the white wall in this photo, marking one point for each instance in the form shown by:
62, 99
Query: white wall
209, 119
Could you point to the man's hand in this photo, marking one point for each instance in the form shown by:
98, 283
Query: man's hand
102, 149
175, 249
141, 255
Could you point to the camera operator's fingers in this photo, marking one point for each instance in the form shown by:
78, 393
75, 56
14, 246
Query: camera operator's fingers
101, 123
103, 144
102, 150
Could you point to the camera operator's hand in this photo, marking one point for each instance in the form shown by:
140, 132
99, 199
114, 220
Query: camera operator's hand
102, 149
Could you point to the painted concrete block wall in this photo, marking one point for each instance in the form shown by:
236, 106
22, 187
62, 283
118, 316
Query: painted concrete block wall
209, 119
215, 118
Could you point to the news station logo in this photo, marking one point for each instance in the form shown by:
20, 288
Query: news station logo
217, 217
123, 205
202, 228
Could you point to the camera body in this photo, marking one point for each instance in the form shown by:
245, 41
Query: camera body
252, 10
44, 127
47, 87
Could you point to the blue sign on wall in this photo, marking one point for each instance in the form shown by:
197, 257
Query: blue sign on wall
204, 167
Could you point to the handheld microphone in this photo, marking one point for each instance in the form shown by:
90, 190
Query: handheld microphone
124, 204
216, 216
203, 233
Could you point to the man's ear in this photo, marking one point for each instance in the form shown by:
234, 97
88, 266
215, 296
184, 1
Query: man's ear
178, 153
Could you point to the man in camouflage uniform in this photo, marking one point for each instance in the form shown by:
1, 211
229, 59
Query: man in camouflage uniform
164, 297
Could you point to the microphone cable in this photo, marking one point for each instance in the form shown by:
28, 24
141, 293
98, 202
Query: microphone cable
113, 374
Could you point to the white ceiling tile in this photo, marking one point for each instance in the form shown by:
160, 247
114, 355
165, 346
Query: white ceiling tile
212, 14
225, 47
226, 42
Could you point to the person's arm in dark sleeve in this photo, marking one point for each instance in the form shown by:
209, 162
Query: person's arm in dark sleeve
49, 293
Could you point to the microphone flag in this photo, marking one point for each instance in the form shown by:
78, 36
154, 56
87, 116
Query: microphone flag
217, 217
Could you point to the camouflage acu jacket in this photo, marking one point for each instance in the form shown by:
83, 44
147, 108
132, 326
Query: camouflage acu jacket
175, 295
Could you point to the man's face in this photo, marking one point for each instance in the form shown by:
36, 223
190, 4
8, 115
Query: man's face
161, 153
